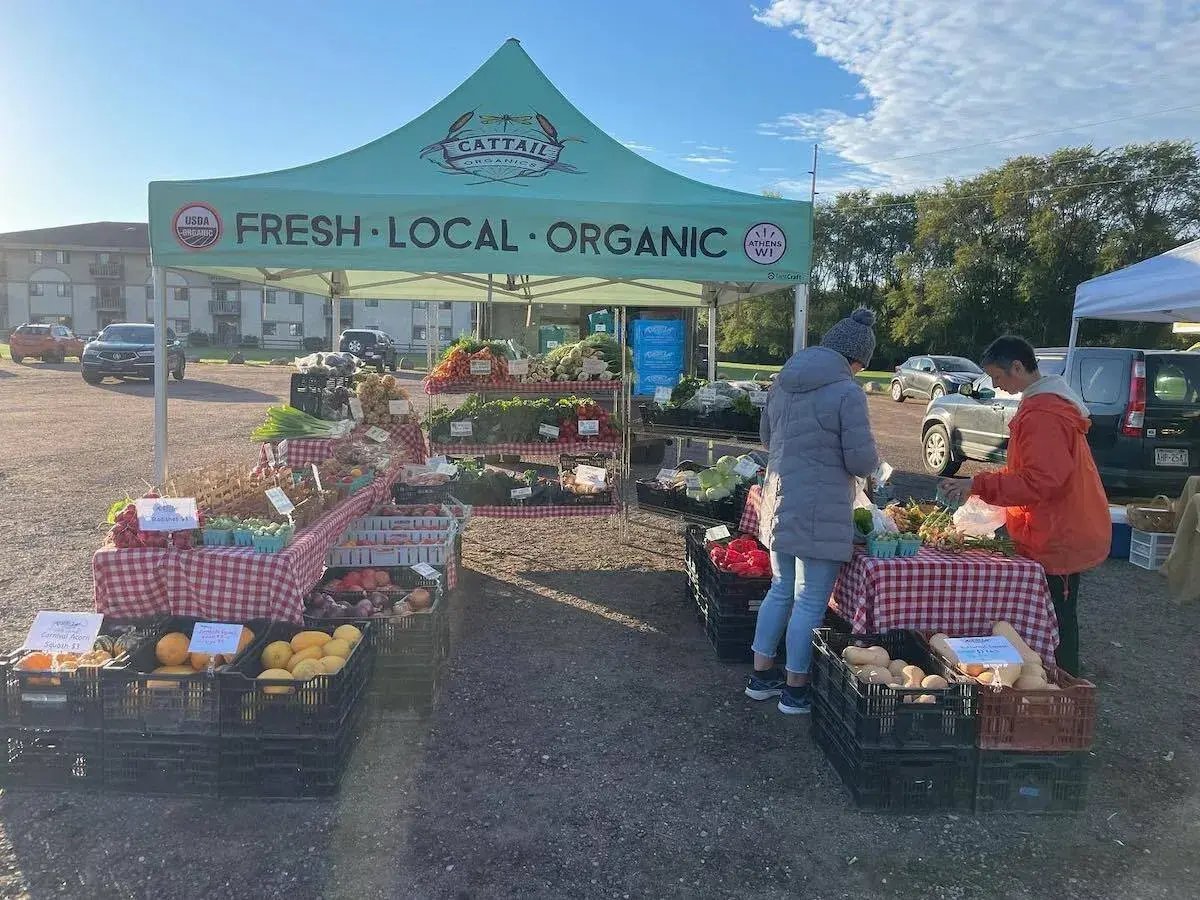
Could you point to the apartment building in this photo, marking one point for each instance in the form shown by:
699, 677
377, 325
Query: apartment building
88, 276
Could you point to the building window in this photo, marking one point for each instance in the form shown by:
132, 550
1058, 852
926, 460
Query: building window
180, 294
37, 257
36, 288
270, 329
62, 257
297, 298
150, 292
445, 334
296, 329
64, 289
269, 296
418, 332
182, 326
372, 304
419, 304
445, 304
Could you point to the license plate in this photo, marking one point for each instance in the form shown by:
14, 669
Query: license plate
1171, 458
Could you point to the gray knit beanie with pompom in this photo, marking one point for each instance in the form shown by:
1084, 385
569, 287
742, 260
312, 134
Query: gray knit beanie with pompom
852, 337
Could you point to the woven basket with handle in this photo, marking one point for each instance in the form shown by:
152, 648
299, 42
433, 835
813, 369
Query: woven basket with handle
1158, 516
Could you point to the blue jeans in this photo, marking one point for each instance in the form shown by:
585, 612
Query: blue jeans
799, 594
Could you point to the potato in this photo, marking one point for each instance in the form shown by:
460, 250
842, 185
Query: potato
912, 676
934, 683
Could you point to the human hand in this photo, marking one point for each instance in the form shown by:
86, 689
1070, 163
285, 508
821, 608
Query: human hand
955, 490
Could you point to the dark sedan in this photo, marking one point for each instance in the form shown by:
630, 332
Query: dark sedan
127, 351
930, 377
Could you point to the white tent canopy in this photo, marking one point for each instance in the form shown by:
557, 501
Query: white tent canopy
1164, 288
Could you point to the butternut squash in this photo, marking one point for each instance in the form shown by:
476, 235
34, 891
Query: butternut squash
1003, 629
913, 676
934, 682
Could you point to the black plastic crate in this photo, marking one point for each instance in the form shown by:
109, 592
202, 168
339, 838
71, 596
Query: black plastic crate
906, 782
418, 638
421, 493
137, 700
310, 391
52, 759
161, 765
876, 715
288, 768
1012, 781
407, 688
734, 594
567, 464
315, 708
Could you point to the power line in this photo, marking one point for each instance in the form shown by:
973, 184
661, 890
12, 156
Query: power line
1019, 137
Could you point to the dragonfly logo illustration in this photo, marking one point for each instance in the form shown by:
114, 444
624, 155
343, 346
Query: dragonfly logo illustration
501, 148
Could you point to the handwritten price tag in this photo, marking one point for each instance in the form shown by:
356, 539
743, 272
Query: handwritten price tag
986, 651
215, 638
270, 454
521, 493
747, 468
167, 514
377, 434
399, 407
63, 632
481, 367
317, 477
666, 476
718, 533
434, 461
693, 482
550, 431
551, 345
662, 395
282, 503
518, 366
593, 476
447, 469
593, 366
758, 398
462, 429
425, 570
356, 409
589, 427
706, 395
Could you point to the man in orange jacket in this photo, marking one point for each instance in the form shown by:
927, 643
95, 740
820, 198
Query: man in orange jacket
1057, 512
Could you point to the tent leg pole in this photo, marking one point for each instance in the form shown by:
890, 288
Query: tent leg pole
799, 317
160, 376
712, 342
1074, 339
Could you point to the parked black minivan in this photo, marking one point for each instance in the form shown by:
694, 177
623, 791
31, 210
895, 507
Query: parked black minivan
1145, 407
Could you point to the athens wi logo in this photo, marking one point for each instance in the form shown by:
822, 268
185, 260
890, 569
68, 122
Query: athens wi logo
501, 148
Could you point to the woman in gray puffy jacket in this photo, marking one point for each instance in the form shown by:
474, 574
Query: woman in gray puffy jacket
818, 438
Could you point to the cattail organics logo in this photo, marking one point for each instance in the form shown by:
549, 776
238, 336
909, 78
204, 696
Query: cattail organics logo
499, 148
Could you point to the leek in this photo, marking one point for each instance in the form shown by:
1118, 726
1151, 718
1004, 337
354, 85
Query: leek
287, 422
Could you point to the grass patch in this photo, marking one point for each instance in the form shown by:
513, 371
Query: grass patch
744, 371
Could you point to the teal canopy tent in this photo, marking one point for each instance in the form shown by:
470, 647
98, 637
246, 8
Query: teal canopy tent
503, 191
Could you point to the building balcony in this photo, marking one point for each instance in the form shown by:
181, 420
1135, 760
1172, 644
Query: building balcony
107, 270
225, 307
109, 304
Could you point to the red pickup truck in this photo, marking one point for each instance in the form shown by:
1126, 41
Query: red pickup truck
49, 343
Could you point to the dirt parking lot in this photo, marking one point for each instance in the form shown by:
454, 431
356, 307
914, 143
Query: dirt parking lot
587, 744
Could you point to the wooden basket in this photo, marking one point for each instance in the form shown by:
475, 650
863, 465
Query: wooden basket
1158, 516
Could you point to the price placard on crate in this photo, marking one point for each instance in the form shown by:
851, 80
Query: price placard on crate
662, 395
706, 395
63, 632
434, 461
167, 513
693, 482
215, 638
747, 468
993, 650
550, 431
425, 570
378, 434
356, 409
481, 367
522, 493
593, 366
462, 429
667, 475
589, 427
758, 398
601, 328
593, 476
518, 366
282, 502
717, 533
399, 407
447, 469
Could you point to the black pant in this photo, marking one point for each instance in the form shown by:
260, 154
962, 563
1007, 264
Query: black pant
1064, 592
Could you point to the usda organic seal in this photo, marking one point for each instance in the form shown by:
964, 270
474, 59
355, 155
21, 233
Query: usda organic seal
197, 226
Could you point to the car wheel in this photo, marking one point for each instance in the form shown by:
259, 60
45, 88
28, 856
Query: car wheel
937, 453
178, 373
392, 366
92, 377
897, 392
937, 393
52, 359
354, 347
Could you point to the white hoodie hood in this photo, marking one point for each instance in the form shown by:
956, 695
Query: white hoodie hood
1057, 385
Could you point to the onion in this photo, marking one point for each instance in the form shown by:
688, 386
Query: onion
419, 599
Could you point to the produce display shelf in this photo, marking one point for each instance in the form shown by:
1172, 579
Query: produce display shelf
555, 449
521, 387
731, 438
547, 511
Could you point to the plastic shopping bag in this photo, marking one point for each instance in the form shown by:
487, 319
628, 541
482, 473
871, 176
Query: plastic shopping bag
975, 518
879, 521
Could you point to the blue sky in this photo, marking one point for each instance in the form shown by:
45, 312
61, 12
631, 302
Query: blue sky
99, 99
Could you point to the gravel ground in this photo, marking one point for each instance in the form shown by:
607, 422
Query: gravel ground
587, 744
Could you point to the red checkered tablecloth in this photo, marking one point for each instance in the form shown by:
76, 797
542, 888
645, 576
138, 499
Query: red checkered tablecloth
749, 521
542, 512
299, 452
462, 386
961, 594
554, 448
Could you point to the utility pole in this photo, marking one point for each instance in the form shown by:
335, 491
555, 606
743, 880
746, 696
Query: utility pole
800, 292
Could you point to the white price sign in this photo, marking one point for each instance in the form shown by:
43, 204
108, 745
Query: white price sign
601, 328
481, 367
377, 434
993, 650
356, 409
215, 638
662, 395
399, 407
270, 454
317, 477
706, 395
747, 468
550, 431
758, 398
518, 366
593, 476
462, 429
718, 533
425, 570
447, 469
693, 482
551, 345
282, 503
434, 461
63, 632
589, 427
167, 513
593, 366
667, 475
523, 493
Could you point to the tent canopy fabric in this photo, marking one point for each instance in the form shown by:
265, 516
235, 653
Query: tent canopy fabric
503, 176
1164, 288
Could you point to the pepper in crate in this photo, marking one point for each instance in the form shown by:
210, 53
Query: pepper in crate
743, 556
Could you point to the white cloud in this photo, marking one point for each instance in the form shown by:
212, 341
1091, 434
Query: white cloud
958, 78
707, 160
771, 169
638, 148
709, 148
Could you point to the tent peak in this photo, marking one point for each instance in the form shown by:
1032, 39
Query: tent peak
513, 41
